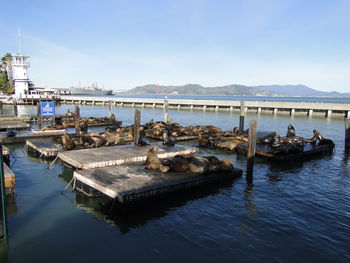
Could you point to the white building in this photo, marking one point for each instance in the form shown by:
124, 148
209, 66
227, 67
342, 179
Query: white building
20, 74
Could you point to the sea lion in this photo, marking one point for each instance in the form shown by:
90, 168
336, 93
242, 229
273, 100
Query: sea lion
290, 131
152, 161
98, 140
67, 142
180, 163
198, 165
214, 163
225, 165
166, 140
11, 133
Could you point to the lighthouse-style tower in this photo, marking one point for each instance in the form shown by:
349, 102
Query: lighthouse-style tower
20, 74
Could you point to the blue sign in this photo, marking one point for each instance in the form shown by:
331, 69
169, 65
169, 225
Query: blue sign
47, 108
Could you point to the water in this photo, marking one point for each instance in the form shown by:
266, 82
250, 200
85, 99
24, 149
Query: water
239, 98
295, 213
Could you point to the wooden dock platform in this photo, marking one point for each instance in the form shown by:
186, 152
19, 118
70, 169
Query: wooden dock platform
10, 180
131, 182
310, 149
115, 155
174, 139
45, 146
22, 136
14, 125
11, 118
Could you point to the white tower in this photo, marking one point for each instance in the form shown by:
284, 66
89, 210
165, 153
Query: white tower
20, 74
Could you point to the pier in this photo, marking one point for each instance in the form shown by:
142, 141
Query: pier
310, 109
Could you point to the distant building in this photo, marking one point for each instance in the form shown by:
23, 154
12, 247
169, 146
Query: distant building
20, 74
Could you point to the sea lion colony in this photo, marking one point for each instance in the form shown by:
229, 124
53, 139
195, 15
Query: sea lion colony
179, 163
83, 123
209, 136
120, 136
293, 143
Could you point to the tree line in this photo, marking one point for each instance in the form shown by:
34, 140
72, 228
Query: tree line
6, 79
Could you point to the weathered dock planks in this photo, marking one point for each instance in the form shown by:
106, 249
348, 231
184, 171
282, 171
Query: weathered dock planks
174, 139
22, 136
14, 125
45, 146
10, 180
310, 149
131, 182
115, 155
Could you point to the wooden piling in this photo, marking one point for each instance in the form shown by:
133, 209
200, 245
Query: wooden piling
110, 111
137, 126
347, 134
251, 151
40, 120
1, 107
3, 222
166, 110
241, 117
77, 119
15, 109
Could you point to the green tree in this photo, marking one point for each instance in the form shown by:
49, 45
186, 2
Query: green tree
6, 79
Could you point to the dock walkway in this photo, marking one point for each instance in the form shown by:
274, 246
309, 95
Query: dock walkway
23, 136
272, 107
45, 146
131, 182
116, 155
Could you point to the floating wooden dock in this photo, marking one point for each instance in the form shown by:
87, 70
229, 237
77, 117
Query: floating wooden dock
12, 119
310, 149
45, 146
14, 125
131, 182
174, 139
22, 136
10, 180
6, 154
115, 155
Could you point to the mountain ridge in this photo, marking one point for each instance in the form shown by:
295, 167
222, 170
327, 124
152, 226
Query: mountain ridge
298, 90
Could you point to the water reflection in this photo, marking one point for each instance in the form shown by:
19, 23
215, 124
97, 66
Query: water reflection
251, 210
138, 214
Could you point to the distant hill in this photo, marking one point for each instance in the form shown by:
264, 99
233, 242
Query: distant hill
236, 90
195, 89
299, 90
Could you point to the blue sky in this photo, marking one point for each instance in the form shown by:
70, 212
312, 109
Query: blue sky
123, 44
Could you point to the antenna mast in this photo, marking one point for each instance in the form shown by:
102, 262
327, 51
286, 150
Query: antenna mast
19, 39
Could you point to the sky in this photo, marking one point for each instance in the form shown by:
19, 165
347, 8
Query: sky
121, 44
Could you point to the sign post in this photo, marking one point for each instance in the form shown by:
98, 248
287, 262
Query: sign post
47, 109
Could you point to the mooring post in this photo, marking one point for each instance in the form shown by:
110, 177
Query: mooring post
137, 126
110, 108
166, 109
241, 117
77, 119
1, 108
38, 105
15, 109
347, 134
3, 203
251, 151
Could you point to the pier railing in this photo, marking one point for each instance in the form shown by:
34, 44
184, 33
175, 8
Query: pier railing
272, 107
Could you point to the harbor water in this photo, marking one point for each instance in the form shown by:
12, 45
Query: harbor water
298, 212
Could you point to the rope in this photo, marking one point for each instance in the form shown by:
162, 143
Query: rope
49, 166
68, 184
